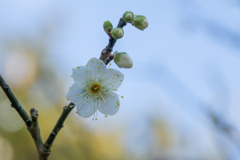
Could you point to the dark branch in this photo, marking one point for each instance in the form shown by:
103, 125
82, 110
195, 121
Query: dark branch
15, 104
106, 51
59, 125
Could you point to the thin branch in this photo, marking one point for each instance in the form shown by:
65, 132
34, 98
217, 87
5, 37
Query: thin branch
15, 104
106, 51
59, 125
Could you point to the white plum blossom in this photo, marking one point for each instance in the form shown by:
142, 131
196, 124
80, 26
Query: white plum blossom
94, 88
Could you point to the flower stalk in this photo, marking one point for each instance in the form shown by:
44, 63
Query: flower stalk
66, 110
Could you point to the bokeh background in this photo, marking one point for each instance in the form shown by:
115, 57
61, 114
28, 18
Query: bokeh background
181, 98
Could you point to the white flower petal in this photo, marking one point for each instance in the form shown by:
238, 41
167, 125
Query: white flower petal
87, 110
75, 94
73, 91
97, 67
113, 79
112, 104
79, 75
95, 81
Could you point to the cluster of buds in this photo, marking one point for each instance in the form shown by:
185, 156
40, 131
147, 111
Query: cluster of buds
122, 59
116, 33
138, 21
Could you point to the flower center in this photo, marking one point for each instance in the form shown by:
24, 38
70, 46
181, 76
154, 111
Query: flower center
95, 88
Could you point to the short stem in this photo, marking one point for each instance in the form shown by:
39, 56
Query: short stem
59, 125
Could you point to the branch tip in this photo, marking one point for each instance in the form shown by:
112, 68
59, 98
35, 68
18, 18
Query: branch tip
34, 114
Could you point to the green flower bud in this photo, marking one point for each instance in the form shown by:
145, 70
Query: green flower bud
123, 60
107, 26
140, 22
117, 33
128, 16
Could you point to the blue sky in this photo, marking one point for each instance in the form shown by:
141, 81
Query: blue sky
187, 58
